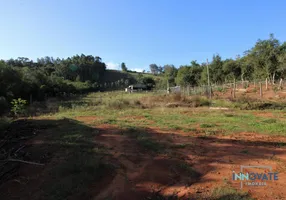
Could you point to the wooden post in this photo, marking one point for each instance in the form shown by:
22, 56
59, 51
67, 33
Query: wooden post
234, 83
266, 84
260, 84
280, 84
233, 91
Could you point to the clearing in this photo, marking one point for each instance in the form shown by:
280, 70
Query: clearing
132, 146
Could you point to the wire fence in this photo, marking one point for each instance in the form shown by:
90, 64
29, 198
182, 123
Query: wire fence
257, 86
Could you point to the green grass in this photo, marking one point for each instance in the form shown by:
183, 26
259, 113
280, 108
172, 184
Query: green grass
114, 107
207, 125
81, 162
228, 193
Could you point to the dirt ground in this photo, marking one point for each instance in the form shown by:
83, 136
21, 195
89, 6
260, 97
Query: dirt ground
213, 158
141, 174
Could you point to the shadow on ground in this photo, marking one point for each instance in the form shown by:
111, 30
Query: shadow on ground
106, 162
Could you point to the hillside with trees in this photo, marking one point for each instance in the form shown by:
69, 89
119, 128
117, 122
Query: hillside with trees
50, 77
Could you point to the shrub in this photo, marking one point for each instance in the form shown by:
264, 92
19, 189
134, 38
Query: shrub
18, 106
220, 89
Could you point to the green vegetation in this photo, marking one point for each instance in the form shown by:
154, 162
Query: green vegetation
228, 193
18, 106
49, 77
136, 110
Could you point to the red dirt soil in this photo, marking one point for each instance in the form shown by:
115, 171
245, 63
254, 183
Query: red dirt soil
142, 174
253, 93
215, 159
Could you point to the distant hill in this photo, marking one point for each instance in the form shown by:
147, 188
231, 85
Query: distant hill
115, 75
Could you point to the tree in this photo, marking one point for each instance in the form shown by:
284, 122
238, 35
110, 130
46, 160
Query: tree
160, 69
231, 69
189, 74
140, 77
170, 73
216, 70
264, 57
123, 67
154, 68
149, 82
183, 77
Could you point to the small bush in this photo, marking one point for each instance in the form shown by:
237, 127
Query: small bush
207, 125
119, 104
275, 89
199, 101
176, 97
269, 121
18, 106
228, 193
220, 89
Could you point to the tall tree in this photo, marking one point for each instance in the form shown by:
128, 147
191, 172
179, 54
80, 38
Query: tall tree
154, 68
123, 67
170, 73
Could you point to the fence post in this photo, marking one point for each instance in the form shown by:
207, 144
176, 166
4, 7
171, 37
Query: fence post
280, 84
260, 84
266, 82
233, 91
234, 88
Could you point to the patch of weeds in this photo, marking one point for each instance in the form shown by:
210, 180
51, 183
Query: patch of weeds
229, 115
175, 127
269, 121
207, 125
148, 116
211, 132
228, 193
110, 121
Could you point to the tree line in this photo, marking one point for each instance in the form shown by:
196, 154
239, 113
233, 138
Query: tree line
50, 77
267, 59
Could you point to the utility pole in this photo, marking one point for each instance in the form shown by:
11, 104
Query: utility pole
209, 90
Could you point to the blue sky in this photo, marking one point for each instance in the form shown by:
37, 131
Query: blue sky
137, 32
